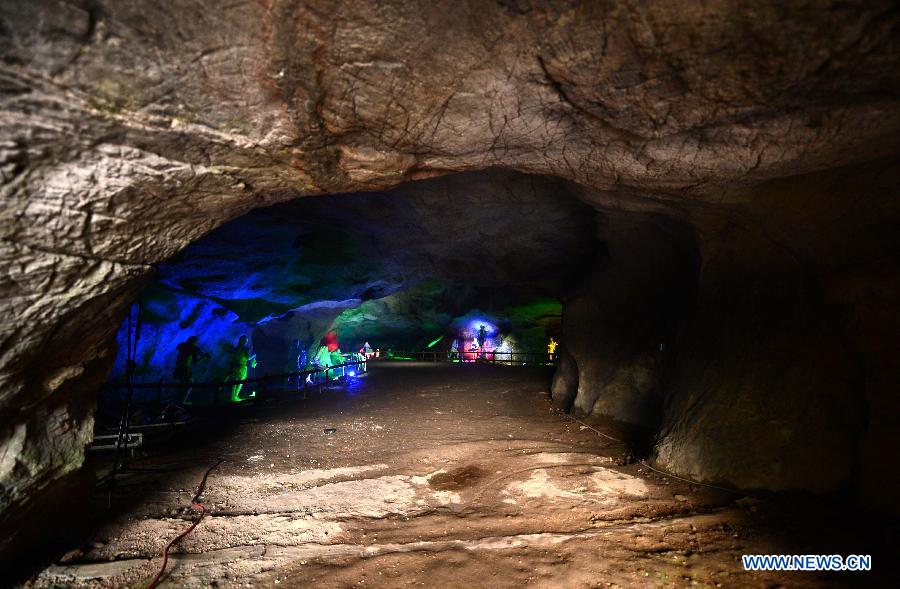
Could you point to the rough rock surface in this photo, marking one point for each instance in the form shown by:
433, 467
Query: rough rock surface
770, 129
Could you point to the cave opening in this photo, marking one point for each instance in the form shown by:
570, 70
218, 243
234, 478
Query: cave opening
469, 267
474, 267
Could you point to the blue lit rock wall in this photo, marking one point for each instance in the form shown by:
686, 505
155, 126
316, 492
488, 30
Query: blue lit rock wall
168, 317
274, 260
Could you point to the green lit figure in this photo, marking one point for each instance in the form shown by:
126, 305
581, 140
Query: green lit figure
322, 361
240, 360
323, 358
337, 357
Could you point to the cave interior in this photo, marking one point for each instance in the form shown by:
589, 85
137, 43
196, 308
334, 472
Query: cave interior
686, 212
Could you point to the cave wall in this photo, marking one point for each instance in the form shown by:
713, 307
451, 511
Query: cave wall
168, 316
775, 373
131, 129
749, 401
643, 277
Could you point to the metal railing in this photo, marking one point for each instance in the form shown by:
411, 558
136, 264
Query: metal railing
316, 378
299, 380
474, 357
306, 379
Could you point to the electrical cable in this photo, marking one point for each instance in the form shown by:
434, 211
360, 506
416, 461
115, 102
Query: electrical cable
672, 476
595, 430
196, 503
656, 470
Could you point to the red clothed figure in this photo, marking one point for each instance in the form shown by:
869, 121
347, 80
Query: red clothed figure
331, 341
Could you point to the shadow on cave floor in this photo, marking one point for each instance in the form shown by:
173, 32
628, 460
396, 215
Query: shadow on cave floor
449, 475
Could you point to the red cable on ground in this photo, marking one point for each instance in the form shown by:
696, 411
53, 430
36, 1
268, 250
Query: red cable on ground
195, 504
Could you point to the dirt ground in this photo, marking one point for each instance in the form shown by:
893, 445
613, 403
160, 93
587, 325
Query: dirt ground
439, 476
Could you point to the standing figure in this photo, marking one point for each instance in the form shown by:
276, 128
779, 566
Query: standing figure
302, 365
291, 362
189, 353
323, 357
301, 360
551, 349
240, 360
472, 355
482, 336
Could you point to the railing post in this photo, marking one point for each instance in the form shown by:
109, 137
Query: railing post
263, 387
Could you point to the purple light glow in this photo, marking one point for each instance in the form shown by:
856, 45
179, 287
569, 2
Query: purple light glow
473, 327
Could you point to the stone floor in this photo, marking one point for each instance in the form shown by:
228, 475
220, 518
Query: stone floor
436, 476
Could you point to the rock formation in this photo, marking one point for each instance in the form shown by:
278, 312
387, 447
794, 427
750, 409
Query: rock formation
742, 157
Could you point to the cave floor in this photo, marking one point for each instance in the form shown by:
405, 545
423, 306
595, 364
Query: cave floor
436, 476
